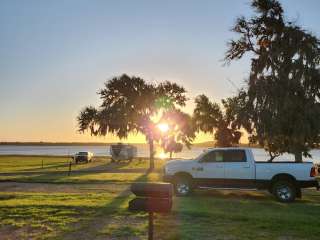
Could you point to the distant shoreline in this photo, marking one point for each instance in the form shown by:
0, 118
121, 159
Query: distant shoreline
201, 144
60, 144
64, 143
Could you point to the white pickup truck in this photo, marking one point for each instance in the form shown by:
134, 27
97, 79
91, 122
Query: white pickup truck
236, 168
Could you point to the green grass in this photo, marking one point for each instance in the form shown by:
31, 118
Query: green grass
83, 178
207, 215
32, 163
100, 170
87, 210
15, 164
247, 217
53, 215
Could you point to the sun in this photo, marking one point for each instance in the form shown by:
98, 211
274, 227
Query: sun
163, 127
163, 155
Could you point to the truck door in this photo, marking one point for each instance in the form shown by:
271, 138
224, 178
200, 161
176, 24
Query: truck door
239, 172
209, 171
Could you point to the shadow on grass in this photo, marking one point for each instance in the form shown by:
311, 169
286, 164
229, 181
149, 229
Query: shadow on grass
70, 221
44, 168
40, 221
308, 195
105, 216
243, 215
235, 194
106, 173
109, 167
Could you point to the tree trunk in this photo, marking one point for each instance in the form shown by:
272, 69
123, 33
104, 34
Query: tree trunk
170, 155
151, 152
298, 157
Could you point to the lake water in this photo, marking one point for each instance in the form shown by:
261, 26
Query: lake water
143, 151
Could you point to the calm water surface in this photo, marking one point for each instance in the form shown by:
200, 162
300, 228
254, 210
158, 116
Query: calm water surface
143, 151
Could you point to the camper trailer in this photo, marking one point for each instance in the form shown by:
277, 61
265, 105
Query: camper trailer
122, 152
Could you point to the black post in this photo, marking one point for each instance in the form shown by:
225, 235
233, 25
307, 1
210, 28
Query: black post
69, 169
151, 198
42, 164
151, 152
150, 234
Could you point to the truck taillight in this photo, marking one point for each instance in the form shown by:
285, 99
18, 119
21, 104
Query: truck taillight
313, 172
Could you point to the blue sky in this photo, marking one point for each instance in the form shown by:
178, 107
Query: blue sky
55, 55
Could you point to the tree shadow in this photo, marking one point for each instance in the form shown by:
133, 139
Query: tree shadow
92, 220
46, 167
234, 194
94, 226
78, 175
109, 167
210, 212
255, 195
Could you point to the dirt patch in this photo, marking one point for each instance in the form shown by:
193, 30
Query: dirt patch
25, 232
7, 232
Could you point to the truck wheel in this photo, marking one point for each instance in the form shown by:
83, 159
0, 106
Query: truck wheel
183, 186
284, 191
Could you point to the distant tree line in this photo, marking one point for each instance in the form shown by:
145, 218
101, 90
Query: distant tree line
279, 106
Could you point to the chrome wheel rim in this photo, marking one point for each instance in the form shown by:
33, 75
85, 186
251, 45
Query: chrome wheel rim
284, 193
182, 188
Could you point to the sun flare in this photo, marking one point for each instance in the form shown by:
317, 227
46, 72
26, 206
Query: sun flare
163, 127
163, 155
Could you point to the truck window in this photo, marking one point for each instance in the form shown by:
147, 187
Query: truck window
234, 156
213, 156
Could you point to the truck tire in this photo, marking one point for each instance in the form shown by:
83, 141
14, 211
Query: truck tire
183, 186
284, 191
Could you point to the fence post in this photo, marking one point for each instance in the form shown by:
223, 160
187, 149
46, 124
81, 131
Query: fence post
42, 164
69, 172
150, 227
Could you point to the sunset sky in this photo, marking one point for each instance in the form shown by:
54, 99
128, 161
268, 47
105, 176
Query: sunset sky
55, 55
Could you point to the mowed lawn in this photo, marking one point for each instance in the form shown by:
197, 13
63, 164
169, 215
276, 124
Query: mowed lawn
56, 170
88, 205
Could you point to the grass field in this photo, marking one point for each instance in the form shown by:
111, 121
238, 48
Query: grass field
94, 206
47, 164
55, 170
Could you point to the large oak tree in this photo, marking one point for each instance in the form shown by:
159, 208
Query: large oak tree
281, 109
131, 105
